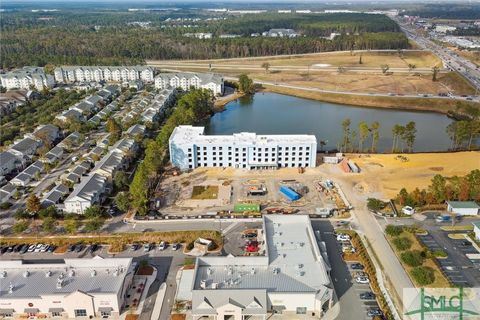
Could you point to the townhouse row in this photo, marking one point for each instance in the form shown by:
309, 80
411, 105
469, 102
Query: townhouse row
26, 78
185, 81
71, 74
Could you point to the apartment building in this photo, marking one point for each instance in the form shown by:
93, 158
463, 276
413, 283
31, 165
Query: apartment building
26, 77
71, 74
190, 148
65, 289
186, 80
90, 191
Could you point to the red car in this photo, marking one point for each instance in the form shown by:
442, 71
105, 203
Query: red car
251, 247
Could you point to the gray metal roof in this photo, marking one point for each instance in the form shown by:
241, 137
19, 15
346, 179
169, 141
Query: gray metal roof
7, 156
251, 301
88, 186
25, 145
89, 275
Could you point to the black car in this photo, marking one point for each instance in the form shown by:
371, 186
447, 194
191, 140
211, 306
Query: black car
93, 248
374, 312
79, 248
357, 266
51, 248
250, 235
10, 249
3, 250
466, 243
17, 248
71, 248
367, 296
24, 248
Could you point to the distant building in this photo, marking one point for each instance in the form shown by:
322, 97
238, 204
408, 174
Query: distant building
199, 35
27, 77
103, 73
185, 80
65, 289
292, 278
190, 148
280, 33
444, 28
463, 208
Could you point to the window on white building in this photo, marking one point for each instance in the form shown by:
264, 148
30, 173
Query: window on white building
301, 310
80, 312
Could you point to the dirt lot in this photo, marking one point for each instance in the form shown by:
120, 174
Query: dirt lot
383, 175
346, 59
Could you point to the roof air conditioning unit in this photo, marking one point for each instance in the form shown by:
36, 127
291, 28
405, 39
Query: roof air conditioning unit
252, 271
93, 273
26, 273
48, 274
10, 288
3, 275
203, 284
214, 285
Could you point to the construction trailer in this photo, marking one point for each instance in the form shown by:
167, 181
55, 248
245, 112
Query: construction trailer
353, 166
349, 166
290, 194
246, 207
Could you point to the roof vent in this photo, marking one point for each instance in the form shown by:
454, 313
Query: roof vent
299, 266
275, 270
203, 284
299, 273
10, 288
48, 274
230, 270
116, 272
93, 273
214, 285
26, 273
3, 275
209, 271
71, 273
252, 271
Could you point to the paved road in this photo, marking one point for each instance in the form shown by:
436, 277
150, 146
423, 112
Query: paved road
450, 59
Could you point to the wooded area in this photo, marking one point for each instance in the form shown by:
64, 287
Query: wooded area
106, 38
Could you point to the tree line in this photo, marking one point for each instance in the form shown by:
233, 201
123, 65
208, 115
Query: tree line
60, 42
464, 131
442, 189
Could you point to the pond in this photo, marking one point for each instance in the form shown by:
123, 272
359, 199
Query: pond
272, 113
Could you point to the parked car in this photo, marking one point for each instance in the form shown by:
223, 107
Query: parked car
134, 247
362, 280
38, 247
24, 249
250, 235
147, 247
162, 246
466, 243
51, 248
357, 266
44, 248
408, 210
31, 248
79, 247
71, 248
176, 246
360, 274
367, 296
374, 312
93, 248
343, 237
3, 250
348, 249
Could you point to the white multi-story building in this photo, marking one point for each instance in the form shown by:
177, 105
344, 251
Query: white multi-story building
90, 191
190, 148
26, 77
185, 80
70, 74
70, 289
291, 278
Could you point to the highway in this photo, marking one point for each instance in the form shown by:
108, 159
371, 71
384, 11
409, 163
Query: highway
450, 59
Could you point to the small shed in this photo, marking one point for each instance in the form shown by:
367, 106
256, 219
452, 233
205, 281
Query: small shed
463, 208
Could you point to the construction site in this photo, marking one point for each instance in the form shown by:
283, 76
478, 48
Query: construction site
234, 192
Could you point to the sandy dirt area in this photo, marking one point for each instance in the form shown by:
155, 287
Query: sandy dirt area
384, 175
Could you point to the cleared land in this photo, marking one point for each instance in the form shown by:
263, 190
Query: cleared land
384, 175
473, 56
341, 58
321, 71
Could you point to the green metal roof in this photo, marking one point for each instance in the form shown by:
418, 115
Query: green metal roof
463, 204
246, 207
476, 224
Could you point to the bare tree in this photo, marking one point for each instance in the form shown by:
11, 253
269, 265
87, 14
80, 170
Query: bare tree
266, 66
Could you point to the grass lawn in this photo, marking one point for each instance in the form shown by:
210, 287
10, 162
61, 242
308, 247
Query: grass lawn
440, 280
473, 56
205, 192
457, 228
457, 236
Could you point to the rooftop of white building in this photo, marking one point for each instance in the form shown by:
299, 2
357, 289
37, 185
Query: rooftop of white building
20, 279
292, 263
190, 134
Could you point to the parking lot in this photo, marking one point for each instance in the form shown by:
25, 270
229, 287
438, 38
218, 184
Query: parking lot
457, 266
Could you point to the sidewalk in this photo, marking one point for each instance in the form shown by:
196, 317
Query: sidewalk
157, 308
139, 308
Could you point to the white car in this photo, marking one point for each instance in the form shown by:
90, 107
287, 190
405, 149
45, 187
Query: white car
31, 248
175, 246
343, 237
162, 246
362, 280
408, 210
38, 247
